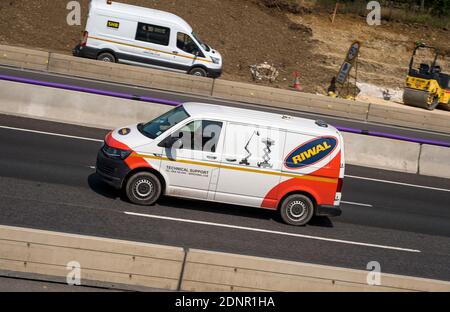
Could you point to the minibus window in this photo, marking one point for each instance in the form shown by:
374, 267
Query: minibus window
185, 43
153, 34
158, 126
204, 45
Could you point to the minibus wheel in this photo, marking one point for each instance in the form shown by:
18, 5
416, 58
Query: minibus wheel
198, 71
106, 57
297, 209
143, 188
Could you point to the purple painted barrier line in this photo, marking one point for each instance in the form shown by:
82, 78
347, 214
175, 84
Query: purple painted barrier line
175, 103
351, 130
88, 90
409, 139
394, 136
160, 101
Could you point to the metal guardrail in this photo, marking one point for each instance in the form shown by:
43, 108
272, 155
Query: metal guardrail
176, 103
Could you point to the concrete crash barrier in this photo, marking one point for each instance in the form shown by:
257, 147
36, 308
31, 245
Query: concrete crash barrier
213, 271
273, 97
119, 263
434, 161
374, 152
74, 107
23, 58
389, 113
408, 116
133, 75
100, 259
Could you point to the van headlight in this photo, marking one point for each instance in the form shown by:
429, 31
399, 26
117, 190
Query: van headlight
215, 60
115, 153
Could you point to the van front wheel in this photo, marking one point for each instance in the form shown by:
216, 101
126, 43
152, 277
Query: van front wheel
106, 57
143, 188
198, 71
297, 209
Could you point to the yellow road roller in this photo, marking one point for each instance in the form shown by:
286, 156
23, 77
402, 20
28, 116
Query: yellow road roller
426, 85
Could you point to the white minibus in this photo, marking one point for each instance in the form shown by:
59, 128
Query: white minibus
117, 32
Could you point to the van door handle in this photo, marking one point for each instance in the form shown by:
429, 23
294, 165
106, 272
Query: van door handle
231, 159
175, 52
211, 157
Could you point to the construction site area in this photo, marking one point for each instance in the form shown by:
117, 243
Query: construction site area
293, 36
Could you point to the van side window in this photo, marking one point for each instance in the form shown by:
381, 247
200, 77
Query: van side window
185, 43
153, 34
200, 135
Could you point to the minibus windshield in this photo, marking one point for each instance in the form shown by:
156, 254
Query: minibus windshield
204, 45
158, 126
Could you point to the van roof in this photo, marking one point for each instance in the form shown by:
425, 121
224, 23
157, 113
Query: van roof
248, 116
142, 12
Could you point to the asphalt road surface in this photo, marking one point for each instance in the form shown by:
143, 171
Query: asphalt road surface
48, 181
182, 97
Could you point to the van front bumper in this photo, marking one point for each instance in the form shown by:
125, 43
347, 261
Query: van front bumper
328, 211
111, 171
85, 52
214, 73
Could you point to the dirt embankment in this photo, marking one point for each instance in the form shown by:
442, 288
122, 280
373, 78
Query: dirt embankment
247, 32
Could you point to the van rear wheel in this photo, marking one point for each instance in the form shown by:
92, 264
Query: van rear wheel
143, 188
106, 57
198, 71
297, 209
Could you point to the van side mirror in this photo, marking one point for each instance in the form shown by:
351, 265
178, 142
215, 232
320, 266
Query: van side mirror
168, 142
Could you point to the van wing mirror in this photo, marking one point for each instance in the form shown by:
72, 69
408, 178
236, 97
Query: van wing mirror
168, 142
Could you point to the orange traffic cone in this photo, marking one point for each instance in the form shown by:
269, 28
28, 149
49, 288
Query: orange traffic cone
296, 85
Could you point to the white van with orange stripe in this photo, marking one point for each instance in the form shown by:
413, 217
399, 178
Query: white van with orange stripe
117, 32
229, 155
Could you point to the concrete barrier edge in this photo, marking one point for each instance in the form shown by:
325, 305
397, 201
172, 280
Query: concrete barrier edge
29, 252
210, 271
100, 259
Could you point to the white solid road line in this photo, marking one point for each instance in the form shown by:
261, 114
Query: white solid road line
356, 204
270, 232
399, 183
52, 134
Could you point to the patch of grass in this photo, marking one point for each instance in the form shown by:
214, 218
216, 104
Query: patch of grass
403, 13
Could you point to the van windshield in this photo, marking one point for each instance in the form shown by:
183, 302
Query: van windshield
158, 126
204, 45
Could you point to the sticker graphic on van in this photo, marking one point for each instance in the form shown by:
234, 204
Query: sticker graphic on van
310, 153
112, 24
124, 131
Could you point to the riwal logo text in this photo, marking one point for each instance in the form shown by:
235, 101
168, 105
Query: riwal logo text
310, 153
